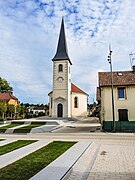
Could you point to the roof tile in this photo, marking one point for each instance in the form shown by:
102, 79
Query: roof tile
120, 78
7, 96
76, 89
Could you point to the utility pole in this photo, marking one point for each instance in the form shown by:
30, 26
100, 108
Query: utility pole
110, 62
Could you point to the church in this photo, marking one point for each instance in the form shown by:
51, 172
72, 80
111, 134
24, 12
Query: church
66, 100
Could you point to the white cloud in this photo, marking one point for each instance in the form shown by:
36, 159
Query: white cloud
29, 34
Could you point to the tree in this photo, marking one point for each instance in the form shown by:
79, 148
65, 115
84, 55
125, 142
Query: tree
5, 86
10, 110
3, 108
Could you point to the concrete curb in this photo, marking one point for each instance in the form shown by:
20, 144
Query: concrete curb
61, 166
15, 155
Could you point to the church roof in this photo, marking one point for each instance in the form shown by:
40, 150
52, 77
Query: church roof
62, 52
73, 89
76, 89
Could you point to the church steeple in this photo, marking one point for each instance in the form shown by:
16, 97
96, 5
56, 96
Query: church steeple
62, 52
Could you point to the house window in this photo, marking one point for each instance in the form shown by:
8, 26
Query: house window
76, 102
123, 114
60, 68
121, 93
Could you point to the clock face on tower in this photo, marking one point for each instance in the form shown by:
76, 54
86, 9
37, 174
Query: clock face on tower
60, 79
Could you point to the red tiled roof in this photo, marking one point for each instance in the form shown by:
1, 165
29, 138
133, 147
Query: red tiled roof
7, 96
73, 89
76, 89
120, 78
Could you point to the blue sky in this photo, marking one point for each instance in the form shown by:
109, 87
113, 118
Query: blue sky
29, 31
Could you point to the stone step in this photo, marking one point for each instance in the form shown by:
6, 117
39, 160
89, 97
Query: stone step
7, 141
15, 155
79, 172
61, 166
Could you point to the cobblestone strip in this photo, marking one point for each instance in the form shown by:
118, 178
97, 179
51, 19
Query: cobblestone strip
82, 168
114, 162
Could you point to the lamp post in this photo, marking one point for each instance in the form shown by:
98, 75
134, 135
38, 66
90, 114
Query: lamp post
110, 62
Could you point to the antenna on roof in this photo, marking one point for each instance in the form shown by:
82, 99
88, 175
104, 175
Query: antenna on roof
132, 59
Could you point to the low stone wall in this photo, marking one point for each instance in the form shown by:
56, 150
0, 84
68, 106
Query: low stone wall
120, 126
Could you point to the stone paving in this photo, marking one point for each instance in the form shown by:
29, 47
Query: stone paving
114, 162
109, 157
83, 166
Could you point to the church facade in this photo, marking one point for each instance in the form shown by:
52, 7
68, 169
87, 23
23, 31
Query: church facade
66, 99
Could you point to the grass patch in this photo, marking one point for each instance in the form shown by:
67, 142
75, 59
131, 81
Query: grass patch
28, 128
14, 145
30, 165
13, 124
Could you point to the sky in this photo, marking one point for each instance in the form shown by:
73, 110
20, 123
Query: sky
29, 31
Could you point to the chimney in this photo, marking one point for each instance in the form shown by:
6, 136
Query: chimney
133, 67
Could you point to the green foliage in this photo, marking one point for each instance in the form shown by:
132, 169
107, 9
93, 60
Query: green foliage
28, 128
3, 108
30, 165
14, 145
2, 119
4, 128
10, 108
24, 110
5, 86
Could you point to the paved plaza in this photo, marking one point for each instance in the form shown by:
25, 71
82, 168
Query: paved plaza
109, 156
97, 155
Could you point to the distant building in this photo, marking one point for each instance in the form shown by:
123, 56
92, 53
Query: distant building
124, 99
66, 99
38, 111
9, 98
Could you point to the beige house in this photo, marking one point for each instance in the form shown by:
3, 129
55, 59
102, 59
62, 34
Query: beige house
9, 98
124, 100
66, 99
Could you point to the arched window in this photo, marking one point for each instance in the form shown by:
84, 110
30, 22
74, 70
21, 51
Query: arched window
60, 68
76, 102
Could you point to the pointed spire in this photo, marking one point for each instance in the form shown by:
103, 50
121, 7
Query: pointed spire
62, 52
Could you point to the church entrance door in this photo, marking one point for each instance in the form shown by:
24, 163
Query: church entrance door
60, 110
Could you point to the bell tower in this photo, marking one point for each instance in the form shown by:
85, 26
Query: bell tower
61, 99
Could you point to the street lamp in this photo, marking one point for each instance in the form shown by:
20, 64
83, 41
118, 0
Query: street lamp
110, 62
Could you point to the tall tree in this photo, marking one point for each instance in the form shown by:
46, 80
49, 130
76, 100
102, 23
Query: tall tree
3, 108
5, 86
10, 110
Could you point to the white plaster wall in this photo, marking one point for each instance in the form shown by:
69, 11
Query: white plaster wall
62, 89
50, 109
82, 104
128, 103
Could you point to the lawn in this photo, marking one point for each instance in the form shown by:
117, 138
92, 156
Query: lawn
30, 165
28, 128
13, 124
14, 145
